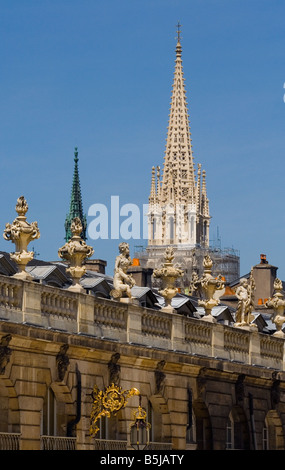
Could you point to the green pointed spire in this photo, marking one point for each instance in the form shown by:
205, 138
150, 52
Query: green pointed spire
76, 207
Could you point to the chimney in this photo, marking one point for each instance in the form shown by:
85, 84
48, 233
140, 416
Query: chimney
96, 265
264, 276
263, 259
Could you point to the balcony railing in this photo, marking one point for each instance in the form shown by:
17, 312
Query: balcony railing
9, 441
58, 443
105, 444
159, 446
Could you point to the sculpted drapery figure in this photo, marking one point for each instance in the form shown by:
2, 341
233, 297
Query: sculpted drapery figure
245, 295
123, 282
277, 302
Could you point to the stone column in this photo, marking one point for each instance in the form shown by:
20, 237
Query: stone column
85, 317
30, 406
31, 305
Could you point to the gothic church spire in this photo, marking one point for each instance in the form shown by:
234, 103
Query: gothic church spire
179, 210
178, 154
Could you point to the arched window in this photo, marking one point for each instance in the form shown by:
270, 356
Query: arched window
230, 434
49, 414
265, 442
171, 228
273, 436
191, 431
54, 417
154, 229
203, 428
192, 228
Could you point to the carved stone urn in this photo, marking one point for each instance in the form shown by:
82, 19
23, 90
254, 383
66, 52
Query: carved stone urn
21, 233
75, 251
208, 285
168, 275
277, 302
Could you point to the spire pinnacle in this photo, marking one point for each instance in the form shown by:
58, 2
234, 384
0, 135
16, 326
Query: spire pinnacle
152, 198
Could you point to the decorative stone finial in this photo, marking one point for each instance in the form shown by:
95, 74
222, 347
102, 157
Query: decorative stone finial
75, 251
168, 274
245, 295
123, 282
208, 286
21, 233
277, 302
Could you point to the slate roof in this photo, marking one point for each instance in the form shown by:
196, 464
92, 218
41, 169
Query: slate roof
54, 273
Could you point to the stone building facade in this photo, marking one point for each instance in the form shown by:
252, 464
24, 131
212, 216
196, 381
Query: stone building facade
204, 385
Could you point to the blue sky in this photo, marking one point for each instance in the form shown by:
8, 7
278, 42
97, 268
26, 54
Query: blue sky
98, 75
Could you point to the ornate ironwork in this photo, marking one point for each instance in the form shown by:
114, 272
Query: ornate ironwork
108, 402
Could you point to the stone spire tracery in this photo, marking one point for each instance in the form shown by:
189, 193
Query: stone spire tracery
180, 200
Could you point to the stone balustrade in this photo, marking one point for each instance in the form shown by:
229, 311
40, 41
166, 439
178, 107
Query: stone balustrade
10, 294
27, 302
59, 304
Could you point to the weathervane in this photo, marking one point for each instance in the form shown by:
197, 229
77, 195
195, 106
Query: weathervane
178, 31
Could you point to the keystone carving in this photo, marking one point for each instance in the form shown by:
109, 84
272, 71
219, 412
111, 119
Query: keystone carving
114, 369
239, 389
159, 376
5, 353
275, 393
62, 362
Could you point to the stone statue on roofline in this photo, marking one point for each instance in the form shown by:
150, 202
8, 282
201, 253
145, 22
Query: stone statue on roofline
277, 302
21, 233
245, 295
123, 282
